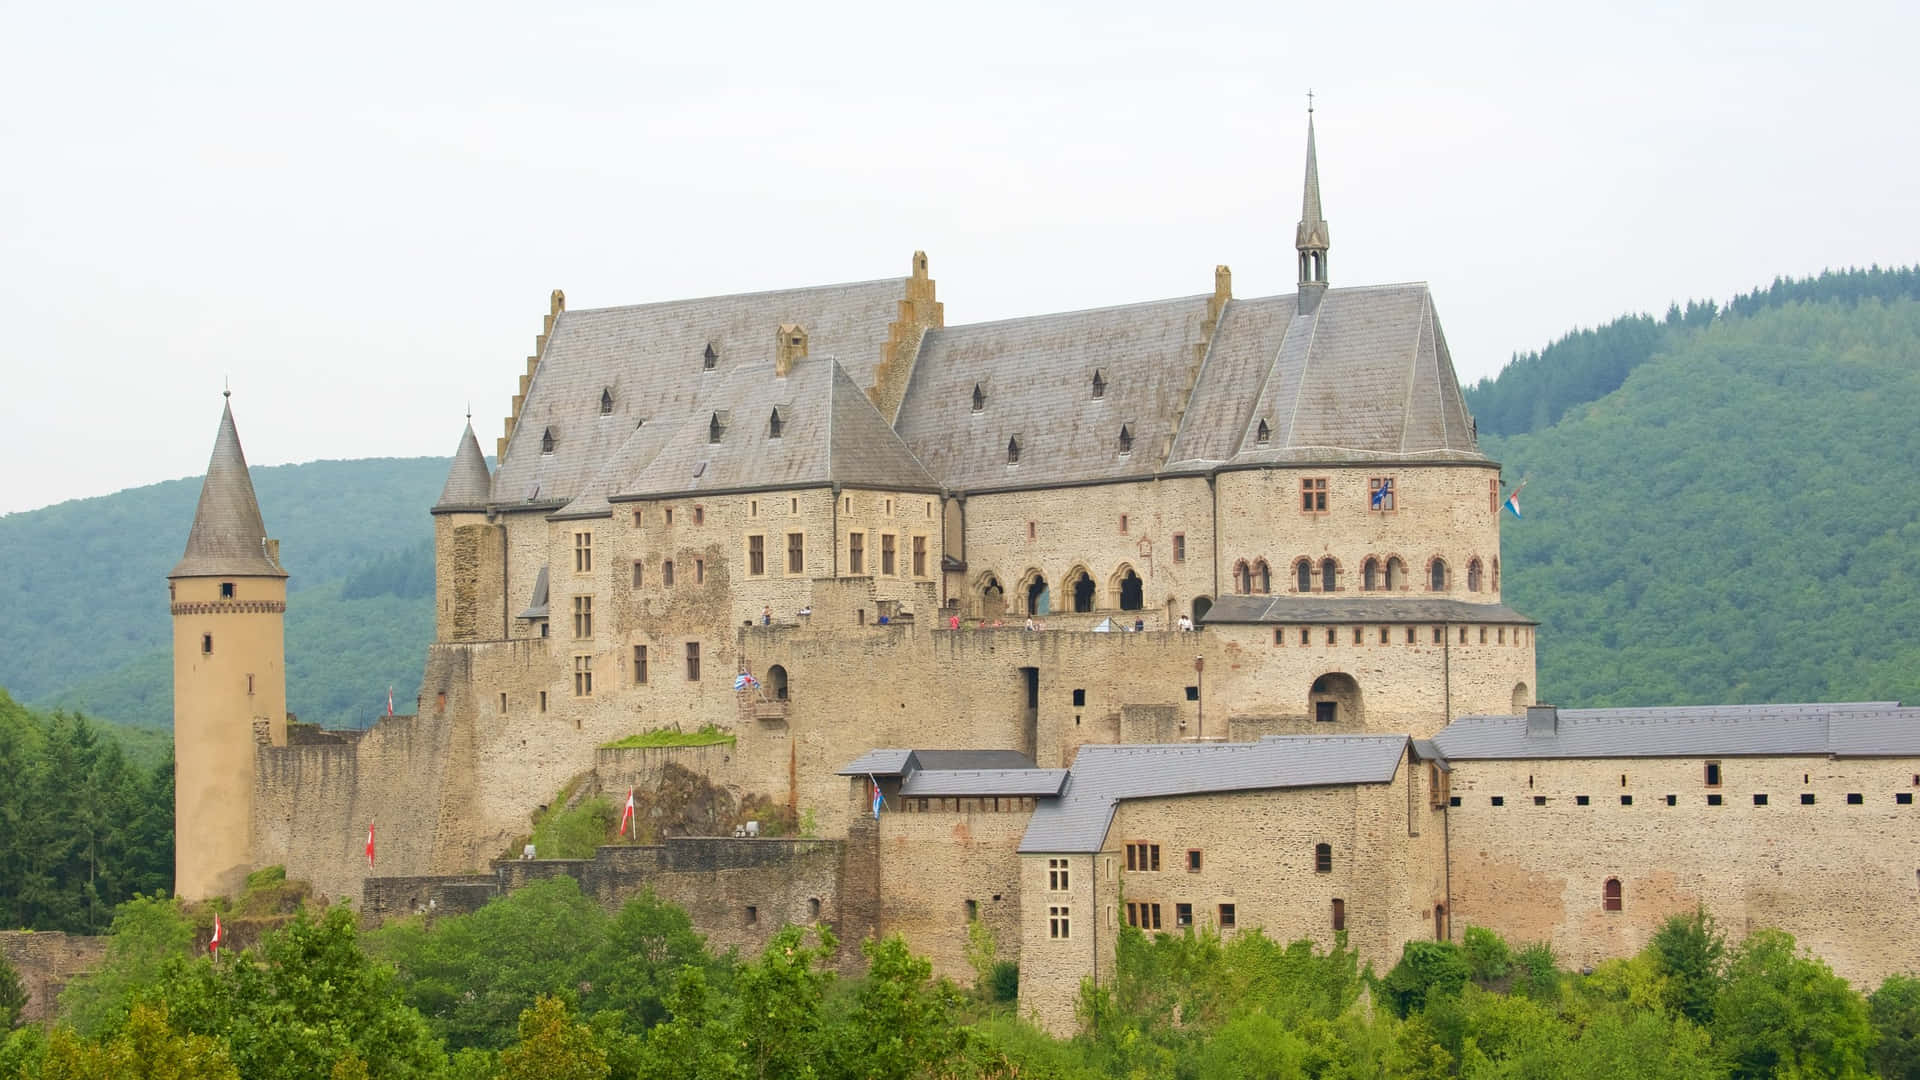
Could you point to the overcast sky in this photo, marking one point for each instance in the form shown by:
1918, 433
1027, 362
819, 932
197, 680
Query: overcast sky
356, 211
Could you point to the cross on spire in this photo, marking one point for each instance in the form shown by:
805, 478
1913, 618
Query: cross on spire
1309, 101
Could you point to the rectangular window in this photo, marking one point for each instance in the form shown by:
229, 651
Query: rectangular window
1326, 712
1059, 927
1626, 800
756, 555
796, 553
1759, 800
1673, 800
1057, 875
583, 616
639, 664
886, 554
699, 515
1715, 800
1339, 914
973, 911
699, 571
543, 701
1123, 524
1493, 495
1030, 530
1713, 774
856, 553
1806, 798
1079, 697
1179, 547
667, 514
583, 676
226, 590
503, 704
636, 519
1279, 636
206, 644
693, 661
1183, 914
1380, 494
1143, 915
1539, 800
1313, 495
753, 507
1193, 860
753, 915
1854, 799
1498, 800
1903, 798
1581, 800
1143, 857
1226, 917
638, 575
582, 552
919, 556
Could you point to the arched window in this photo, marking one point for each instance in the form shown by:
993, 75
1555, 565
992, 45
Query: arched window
1610, 898
1201, 605
777, 683
993, 598
1334, 698
606, 403
1242, 580
1013, 450
1039, 601
775, 425
1262, 577
1438, 581
1303, 576
1473, 575
1329, 575
1323, 858
1370, 574
710, 358
1083, 592
1396, 574
546, 442
1132, 592
1521, 698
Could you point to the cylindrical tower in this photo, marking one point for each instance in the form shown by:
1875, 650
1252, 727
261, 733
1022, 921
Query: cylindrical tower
229, 603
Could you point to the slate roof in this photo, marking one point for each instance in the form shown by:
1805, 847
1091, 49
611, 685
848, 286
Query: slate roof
1037, 377
1365, 376
902, 762
650, 358
537, 605
1852, 729
1386, 608
228, 538
1101, 776
468, 482
829, 431
977, 782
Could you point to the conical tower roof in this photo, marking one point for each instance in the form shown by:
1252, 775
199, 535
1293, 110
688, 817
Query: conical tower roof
468, 482
228, 538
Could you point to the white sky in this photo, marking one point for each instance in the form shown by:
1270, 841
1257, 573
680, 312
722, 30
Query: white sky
356, 210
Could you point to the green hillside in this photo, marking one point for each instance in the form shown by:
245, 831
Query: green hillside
84, 587
1737, 522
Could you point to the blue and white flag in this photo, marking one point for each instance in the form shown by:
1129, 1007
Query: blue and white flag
877, 800
745, 681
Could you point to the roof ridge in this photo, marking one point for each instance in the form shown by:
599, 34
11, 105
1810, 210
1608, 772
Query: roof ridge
756, 293
1073, 312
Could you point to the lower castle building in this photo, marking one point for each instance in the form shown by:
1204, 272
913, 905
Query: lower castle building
1189, 611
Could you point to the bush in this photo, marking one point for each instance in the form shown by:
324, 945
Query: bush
1488, 957
1003, 981
574, 833
1427, 970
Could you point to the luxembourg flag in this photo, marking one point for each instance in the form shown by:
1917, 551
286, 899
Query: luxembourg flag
369, 845
213, 946
389, 701
1513, 500
877, 800
745, 681
626, 816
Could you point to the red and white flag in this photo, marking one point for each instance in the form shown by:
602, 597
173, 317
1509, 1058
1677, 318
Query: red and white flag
213, 946
369, 846
389, 701
626, 816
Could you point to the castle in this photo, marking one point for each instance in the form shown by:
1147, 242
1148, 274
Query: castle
1183, 613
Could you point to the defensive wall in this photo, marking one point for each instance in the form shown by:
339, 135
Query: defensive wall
46, 961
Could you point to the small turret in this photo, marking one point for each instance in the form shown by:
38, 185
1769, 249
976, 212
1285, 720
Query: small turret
468, 482
1310, 239
469, 552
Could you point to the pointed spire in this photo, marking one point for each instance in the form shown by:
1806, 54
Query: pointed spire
228, 538
1311, 238
468, 482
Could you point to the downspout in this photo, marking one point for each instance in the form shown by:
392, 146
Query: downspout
1446, 669
1093, 872
1213, 490
833, 542
1446, 860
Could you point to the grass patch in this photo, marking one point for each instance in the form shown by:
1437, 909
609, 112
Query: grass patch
706, 736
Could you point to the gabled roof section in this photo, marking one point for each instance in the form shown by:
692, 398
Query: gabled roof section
1852, 729
892, 763
1103, 775
538, 604
1365, 376
468, 481
830, 432
653, 357
971, 783
228, 538
1036, 374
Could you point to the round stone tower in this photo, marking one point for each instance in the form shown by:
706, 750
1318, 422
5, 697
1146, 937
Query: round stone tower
229, 601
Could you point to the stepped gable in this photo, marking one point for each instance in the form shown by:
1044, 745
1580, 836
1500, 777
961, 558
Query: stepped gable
649, 360
1036, 378
228, 538
1242, 354
468, 481
829, 431
1364, 376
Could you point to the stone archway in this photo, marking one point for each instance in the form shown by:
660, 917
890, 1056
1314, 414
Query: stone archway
993, 597
1201, 605
1129, 588
1035, 595
1522, 697
1334, 698
1080, 587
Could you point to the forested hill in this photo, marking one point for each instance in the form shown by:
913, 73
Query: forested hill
83, 585
1737, 522
1536, 389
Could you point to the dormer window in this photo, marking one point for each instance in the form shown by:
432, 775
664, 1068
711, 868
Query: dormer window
1099, 384
1262, 434
775, 424
1013, 450
979, 398
715, 429
711, 359
546, 442
606, 403
1126, 439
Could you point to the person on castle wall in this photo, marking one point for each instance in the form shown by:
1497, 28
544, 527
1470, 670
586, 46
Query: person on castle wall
1139, 624
1186, 622
953, 622
1030, 622
766, 615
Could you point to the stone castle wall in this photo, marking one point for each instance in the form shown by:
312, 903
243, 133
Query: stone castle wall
46, 960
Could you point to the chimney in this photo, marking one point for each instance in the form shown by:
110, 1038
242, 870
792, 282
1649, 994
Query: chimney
790, 344
273, 552
1543, 721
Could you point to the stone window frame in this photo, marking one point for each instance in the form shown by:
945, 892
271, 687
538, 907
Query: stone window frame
1313, 495
583, 675
1143, 914
889, 555
582, 617
543, 701
918, 554
583, 552
639, 665
756, 554
856, 552
1338, 914
1193, 860
1059, 922
1323, 858
639, 573
1226, 917
1059, 875
666, 573
1143, 856
1179, 547
1389, 504
797, 552
1612, 895
693, 661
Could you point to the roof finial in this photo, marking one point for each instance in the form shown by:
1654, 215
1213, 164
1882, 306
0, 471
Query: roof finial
1309, 101
226, 382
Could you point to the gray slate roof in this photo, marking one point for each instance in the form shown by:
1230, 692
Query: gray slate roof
1366, 376
1101, 776
468, 481
1037, 375
978, 782
1853, 729
1386, 608
830, 431
650, 357
228, 538
903, 762
538, 604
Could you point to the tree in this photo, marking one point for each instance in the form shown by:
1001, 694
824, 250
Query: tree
1782, 1013
698, 1041
13, 997
147, 933
552, 1047
1894, 1010
146, 1048
901, 1026
1427, 970
642, 949
1690, 953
